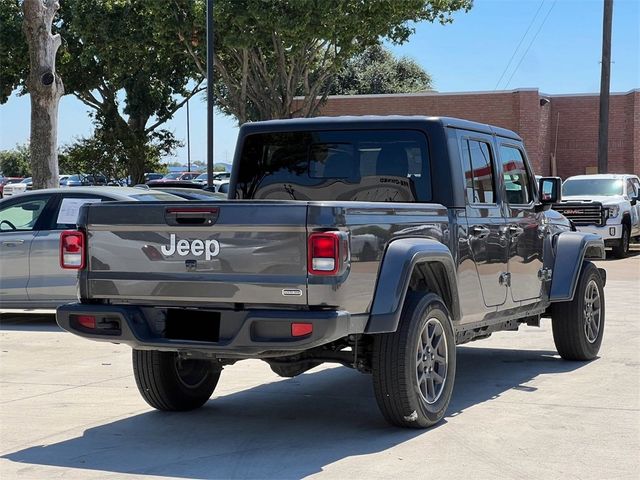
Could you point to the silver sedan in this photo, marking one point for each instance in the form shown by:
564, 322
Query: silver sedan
30, 226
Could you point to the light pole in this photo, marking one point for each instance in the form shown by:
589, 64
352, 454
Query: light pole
605, 77
188, 141
210, 47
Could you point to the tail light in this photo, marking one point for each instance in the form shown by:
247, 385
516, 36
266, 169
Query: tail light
324, 253
72, 249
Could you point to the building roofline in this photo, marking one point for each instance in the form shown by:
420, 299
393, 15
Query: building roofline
481, 92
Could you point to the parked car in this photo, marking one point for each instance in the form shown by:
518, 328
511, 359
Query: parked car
464, 246
605, 204
179, 176
152, 176
84, 180
216, 176
30, 227
222, 186
162, 183
192, 193
16, 188
6, 181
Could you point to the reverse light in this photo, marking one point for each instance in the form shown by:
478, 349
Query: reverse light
323, 253
72, 250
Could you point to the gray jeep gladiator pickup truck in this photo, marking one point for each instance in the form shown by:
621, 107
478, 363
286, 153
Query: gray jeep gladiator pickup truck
454, 242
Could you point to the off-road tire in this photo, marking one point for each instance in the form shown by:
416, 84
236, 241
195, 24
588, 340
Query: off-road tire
621, 249
570, 321
395, 364
169, 385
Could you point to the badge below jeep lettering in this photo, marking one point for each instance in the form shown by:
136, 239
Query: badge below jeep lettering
208, 248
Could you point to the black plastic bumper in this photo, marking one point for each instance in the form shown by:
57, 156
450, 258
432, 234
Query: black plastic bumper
244, 334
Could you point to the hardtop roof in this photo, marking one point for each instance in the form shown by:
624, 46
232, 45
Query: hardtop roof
379, 121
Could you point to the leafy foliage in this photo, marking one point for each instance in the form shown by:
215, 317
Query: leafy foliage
14, 56
268, 52
16, 162
376, 71
108, 155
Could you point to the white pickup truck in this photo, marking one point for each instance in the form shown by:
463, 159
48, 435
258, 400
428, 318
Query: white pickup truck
606, 204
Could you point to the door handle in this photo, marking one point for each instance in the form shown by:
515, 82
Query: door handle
12, 243
515, 231
478, 231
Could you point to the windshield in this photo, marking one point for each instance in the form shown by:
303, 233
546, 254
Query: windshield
202, 176
26, 180
172, 176
592, 186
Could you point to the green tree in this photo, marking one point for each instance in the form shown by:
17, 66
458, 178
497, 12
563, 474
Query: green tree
268, 52
14, 55
16, 162
125, 64
376, 71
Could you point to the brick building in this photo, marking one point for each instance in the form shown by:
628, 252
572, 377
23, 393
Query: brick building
566, 124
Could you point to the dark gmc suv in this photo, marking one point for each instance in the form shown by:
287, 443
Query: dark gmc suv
379, 243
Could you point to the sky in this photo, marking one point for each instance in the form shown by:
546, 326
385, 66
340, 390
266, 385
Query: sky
559, 47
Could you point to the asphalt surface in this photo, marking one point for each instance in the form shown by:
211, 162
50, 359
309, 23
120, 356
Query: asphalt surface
69, 408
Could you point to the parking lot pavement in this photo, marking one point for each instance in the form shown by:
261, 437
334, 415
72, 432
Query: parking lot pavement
69, 408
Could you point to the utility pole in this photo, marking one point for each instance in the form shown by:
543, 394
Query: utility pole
603, 132
188, 141
210, 47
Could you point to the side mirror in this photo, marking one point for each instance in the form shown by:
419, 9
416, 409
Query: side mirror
549, 192
635, 199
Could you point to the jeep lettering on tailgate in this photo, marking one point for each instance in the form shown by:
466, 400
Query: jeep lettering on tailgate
197, 248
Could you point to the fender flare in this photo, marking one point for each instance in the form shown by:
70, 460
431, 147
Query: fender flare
400, 258
572, 248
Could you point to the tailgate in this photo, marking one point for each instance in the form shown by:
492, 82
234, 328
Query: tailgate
196, 252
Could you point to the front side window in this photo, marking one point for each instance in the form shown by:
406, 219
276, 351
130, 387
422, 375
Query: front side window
631, 191
22, 215
516, 177
478, 172
353, 165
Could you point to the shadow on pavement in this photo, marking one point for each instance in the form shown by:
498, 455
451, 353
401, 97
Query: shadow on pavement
286, 429
29, 322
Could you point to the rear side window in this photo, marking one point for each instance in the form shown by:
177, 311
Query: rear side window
356, 165
478, 172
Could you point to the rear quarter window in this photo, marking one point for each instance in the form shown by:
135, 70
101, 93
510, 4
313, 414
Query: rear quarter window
355, 165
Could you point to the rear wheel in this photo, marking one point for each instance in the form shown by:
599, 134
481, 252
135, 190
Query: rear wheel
414, 367
578, 325
167, 382
621, 249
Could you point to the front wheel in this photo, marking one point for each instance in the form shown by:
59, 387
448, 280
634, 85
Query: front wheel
414, 367
621, 249
168, 382
578, 325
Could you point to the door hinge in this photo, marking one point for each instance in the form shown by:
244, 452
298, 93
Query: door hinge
505, 279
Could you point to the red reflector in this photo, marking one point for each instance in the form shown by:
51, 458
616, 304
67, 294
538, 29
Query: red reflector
87, 321
301, 329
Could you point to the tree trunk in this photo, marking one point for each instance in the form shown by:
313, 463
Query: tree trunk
137, 147
45, 87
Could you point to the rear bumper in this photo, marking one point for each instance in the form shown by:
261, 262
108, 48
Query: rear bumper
236, 334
